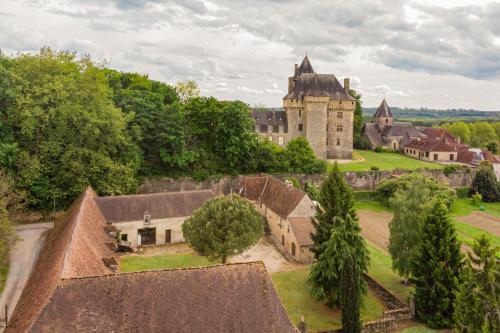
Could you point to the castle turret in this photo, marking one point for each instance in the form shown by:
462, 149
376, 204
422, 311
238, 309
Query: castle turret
383, 116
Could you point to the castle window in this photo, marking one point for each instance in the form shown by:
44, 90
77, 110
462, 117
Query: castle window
300, 127
327, 141
339, 128
340, 102
339, 115
269, 128
338, 142
275, 128
300, 113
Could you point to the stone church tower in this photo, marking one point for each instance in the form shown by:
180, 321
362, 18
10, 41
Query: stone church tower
316, 107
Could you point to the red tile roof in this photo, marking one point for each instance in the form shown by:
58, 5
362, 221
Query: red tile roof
438, 133
74, 248
433, 145
280, 197
223, 298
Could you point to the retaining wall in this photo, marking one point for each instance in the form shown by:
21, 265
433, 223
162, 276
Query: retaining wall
365, 180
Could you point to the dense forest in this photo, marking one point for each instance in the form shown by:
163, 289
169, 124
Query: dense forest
66, 123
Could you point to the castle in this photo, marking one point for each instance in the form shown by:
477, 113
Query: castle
316, 107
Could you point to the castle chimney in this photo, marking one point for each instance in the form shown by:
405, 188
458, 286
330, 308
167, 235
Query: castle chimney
296, 69
346, 85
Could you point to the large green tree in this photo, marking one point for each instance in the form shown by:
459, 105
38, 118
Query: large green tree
411, 207
300, 157
335, 199
68, 132
477, 308
485, 183
358, 117
223, 227
437, 269
337, 277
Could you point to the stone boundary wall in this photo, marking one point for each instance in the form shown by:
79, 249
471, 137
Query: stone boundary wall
363, 180
390, 300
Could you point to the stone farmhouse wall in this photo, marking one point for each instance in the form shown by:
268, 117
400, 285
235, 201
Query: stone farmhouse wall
363, 180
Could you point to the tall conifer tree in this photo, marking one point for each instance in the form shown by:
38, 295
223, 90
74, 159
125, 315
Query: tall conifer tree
438, 265
335, 198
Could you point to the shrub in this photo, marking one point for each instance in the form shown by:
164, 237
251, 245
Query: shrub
363, 143
385, 190
379, 149
312, 190
374, 168
462, 192
452, 168
485, 183
294, 181
477, 198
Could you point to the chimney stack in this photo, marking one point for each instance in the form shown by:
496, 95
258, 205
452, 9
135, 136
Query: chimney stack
296, 69
346, 85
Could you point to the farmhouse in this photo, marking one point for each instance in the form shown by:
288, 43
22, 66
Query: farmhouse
316, 107
288, 211
437, 150
149, 219
73, 288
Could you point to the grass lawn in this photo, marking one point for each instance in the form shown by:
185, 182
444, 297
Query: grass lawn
370, 205
133, 263
381, 271
464, 206
294, 294
384, 161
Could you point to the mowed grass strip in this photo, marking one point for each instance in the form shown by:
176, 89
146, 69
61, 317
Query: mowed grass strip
385, 162
134, 263
381, 271
293, 291
465, 206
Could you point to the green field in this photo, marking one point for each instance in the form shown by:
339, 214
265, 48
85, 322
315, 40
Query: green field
294, 293
133, 263
381, 271
465, 206
365, 159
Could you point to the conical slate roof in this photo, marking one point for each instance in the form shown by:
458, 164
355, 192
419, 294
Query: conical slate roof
305, 67
383, 111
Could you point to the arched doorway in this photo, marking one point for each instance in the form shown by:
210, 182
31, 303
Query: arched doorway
395, 145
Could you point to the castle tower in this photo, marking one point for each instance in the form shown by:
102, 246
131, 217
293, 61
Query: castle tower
383, 116
321, 110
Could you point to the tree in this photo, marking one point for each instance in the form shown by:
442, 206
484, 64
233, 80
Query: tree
482, 133
492, 146
187, 90
301, 158
67, 132
438, 265
460, 130
358, 118
335, 199
477, 307
337, 277
312, 190
411, 207
9, 201
485, 183
223, 227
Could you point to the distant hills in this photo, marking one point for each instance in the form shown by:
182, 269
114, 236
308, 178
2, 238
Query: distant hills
427, 116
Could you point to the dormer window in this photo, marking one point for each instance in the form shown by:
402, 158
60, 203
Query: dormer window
146, 217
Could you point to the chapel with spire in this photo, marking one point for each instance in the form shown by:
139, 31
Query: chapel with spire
317, 107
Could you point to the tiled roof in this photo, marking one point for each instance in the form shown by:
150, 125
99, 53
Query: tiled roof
305, 67
74, 248
160, 205
223, 298
373, 134
270, 117
433, 145
383, 111
438, 133
319, 85
281, 198
302, 229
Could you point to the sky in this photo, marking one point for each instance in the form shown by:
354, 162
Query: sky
415, 53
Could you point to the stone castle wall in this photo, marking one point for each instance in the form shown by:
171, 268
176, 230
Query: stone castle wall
360, 181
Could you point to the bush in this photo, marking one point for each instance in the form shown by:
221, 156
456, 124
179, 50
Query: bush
364, 195
379, 149
363, 143
477, 198
374, 168
462, 192
312, 190
385, 190
452, 168
294, 181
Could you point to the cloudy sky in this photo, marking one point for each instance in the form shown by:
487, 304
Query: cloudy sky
439, 54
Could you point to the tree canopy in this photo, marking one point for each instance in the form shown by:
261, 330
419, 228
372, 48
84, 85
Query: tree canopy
224, 226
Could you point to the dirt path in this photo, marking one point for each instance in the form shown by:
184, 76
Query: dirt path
22, 260
375, 227
483, 221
